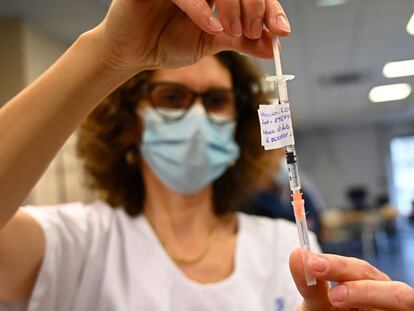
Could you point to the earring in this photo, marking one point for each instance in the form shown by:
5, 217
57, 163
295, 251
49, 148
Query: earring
131, 158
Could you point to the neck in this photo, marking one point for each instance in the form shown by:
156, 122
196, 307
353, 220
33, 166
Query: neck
175, 216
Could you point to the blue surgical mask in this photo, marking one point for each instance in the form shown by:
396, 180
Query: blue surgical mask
189, 153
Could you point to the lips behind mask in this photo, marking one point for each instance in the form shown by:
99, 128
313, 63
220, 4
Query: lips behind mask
189, 153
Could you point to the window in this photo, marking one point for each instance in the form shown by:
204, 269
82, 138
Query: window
402, 160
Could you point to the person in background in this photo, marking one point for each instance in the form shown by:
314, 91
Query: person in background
169, 148
272, 198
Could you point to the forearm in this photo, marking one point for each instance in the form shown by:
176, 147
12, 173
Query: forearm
37, 122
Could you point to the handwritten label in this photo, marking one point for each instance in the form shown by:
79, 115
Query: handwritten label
275, 126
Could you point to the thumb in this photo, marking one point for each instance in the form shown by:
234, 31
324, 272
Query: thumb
315, 297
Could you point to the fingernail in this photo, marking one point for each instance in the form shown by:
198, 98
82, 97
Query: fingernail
236, 27
319, 264
283, 23
256, 28
215, 24
338, 293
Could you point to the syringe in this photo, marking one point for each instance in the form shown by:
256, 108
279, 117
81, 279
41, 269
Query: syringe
294, 181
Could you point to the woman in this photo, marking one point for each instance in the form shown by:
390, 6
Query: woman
184, 251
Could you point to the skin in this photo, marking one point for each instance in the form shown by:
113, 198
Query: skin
36, 123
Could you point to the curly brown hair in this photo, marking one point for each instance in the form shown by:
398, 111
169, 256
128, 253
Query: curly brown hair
107, 143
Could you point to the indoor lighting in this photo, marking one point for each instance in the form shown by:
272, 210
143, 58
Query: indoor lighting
386, 93
325, 3
410, 26
403, 68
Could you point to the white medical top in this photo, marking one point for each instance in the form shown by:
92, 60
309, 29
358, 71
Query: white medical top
98, 259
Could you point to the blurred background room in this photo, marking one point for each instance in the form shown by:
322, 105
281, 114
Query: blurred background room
352, 108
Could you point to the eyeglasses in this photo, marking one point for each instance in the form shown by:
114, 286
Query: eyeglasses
172, 101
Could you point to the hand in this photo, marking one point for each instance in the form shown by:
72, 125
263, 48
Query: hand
360, 286
148, 34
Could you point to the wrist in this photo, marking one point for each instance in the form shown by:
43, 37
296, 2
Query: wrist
92, 43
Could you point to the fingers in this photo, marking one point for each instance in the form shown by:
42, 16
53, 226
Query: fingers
201, 14
255, 13
252, 17
370, 294
230, 16
237, 17
315, 296
259, 48
275, 18
361, 286
340, 269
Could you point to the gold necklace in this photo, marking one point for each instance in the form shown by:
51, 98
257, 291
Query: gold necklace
211, 238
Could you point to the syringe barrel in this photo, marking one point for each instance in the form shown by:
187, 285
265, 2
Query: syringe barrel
294, 180
293, 171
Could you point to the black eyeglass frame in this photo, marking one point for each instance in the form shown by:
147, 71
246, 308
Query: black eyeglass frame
148, 87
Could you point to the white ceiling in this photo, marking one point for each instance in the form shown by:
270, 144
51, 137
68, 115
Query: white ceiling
360, 36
